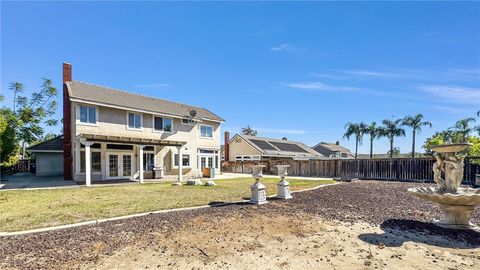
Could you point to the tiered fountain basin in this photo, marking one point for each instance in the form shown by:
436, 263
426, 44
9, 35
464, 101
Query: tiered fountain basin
457, 203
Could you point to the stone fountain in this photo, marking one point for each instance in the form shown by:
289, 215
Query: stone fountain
456, 203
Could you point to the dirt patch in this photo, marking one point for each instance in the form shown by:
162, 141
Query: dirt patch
343, 225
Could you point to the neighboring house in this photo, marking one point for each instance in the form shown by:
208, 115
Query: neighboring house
48, 157
333, 150
244, 148
114, 134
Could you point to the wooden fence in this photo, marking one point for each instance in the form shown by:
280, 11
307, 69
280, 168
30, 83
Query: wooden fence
398, 169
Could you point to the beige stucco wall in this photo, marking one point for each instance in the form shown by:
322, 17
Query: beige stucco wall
113, 122
238, 146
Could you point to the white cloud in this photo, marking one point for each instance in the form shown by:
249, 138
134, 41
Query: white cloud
152, 85
281, 131
319, 86
282, 47
452, 93
372, 73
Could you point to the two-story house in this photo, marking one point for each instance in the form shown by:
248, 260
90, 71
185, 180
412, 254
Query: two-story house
114, 134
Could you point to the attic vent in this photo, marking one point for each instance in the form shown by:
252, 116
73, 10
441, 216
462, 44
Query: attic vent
238, 140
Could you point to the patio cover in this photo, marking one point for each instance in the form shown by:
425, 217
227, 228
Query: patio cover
129, 140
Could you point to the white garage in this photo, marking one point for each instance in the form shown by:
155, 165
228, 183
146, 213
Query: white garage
48, 157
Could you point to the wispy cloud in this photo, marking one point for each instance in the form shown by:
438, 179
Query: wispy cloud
319, 86
152, 85
281, 47
287, 48
372, 73
452, 93
444, 74
281, 131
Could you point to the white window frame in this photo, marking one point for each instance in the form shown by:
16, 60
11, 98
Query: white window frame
163, 117
77, 114
141, 120
154, 158
190, 122
203, 137
183, 166
98, 150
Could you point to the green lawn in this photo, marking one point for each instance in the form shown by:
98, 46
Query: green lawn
30, 209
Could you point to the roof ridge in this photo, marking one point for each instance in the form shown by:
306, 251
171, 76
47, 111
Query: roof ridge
128, 92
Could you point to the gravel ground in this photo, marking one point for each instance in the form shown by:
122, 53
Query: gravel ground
381, 203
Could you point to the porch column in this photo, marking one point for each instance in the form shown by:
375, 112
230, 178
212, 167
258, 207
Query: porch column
180, 165
140, 153
88, 164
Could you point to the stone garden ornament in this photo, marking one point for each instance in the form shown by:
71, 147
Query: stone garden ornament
258, 190
456, 203
283, 187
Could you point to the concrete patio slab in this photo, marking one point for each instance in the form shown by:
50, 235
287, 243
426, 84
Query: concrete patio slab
30, 181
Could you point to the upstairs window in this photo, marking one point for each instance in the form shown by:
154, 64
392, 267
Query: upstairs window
88, 114
206, 131
188, 121
134, 121
162, 124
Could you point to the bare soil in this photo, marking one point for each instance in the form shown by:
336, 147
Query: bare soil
360, 225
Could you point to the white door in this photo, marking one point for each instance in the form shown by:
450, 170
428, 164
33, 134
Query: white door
119, 165
207, 162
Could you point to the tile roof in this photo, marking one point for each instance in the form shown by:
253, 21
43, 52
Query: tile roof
55, 144
87, 92
277, 147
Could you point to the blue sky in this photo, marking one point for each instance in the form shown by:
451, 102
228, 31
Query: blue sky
300, 70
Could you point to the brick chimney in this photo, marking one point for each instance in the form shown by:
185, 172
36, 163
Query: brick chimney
67, 125
226, 147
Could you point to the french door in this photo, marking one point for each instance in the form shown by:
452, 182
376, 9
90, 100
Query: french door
119, 165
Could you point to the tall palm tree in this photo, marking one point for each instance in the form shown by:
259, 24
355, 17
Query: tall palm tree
416, 123
375, 132
392, 129
464, 128
357, 130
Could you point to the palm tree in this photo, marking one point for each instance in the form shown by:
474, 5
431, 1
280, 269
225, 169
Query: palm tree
392, 129
375, 133
357, 130
463, 127
416, 123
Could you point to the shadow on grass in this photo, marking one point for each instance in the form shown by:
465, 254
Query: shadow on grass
398, 231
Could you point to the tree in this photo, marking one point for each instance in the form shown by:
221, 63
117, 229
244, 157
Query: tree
8, 137
357, 130
394, 153
375, 133
464, 128
249, 131
416, 123
29, 115
284, 139
392, 129
17, 88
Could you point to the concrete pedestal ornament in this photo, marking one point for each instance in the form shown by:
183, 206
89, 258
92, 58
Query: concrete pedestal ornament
210, 183
258, 190
456, 203
194, 182
283, 187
